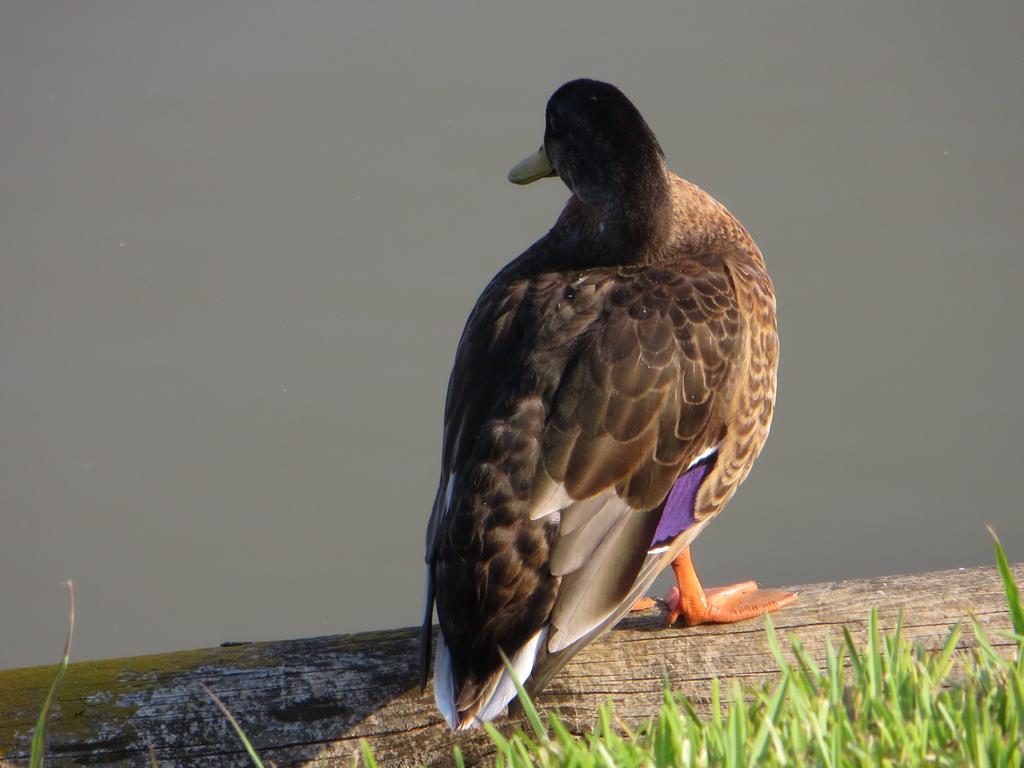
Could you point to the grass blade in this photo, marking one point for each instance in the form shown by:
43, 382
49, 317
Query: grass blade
944, 661
39, 735
368, 759
768, 723
153, 762
874, 654
234, 724
529, 710
1009, 587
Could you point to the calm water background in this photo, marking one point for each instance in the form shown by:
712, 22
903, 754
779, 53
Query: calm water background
238, 242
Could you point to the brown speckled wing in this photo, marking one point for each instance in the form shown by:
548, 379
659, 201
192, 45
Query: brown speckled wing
644, 395
639, 395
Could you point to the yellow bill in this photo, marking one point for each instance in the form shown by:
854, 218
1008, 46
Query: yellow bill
536, 166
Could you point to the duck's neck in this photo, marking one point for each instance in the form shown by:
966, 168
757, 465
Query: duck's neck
634, 217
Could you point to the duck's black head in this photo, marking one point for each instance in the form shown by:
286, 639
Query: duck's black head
598, 143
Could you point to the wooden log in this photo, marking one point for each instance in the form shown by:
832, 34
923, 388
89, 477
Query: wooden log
309, 702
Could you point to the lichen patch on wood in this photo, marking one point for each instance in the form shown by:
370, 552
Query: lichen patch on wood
99, 700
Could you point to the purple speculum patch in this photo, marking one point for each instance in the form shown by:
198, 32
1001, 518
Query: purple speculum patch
677, 514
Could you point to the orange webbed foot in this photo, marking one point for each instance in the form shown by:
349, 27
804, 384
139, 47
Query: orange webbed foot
724, 605
717, 605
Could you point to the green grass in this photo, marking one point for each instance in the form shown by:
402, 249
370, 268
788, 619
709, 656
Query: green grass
885, 702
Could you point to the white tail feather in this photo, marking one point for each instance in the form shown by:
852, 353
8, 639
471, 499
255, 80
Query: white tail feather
444, 685
503, 693
505, 690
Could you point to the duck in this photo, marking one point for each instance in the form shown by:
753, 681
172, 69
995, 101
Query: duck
611, 390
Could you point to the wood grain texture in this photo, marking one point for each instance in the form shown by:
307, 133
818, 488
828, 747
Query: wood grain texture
309, 702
